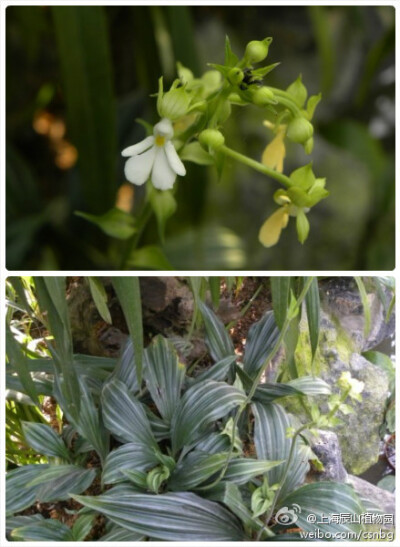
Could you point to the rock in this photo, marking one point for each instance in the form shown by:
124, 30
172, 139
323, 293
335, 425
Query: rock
341, 300
385, 500
341, 343
327, 448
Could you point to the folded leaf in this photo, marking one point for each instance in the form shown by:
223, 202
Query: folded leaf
130, 456
310, 386
56, 482
241, 470
218, 371
124, 415
117, 533
266, 393
46, 530
19, 495
270, 424
324, 499
45, 440
195, 469
261, 339
179, 516
164, 376
217, 339
202, 404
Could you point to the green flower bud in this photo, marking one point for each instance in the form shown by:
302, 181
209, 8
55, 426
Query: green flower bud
235, 76
309, 145
302, 226
298, 91
211, 138
300, 130
256, 50
174, 104
185, 74
263, 96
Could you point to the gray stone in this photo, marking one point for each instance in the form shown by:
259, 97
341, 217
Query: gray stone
327, 448
385, 500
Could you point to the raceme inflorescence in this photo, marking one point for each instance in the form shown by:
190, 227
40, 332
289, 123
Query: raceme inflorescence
193, 114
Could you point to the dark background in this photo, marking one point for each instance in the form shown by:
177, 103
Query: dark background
78, 77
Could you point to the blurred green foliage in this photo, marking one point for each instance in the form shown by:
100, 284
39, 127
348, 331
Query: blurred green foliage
78, 77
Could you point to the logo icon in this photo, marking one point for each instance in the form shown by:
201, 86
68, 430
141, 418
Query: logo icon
288, 516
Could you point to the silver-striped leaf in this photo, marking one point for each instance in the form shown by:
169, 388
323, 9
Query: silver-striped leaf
182, 516
325, 499
218, 371
261, 339
310, 386
124, 415
129, 456
270, 424
217, 339
195, 469
241, 470
58, 481
43, 439
202, 404
44, 530
19, 495
164, 376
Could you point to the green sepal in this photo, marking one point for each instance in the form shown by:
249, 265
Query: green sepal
312, 105
298, 91
302, 226
303, 177
230, 58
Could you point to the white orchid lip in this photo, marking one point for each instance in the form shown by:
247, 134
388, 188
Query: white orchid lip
154, 156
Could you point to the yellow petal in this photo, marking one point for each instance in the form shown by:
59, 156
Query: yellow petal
275, 152
271, 229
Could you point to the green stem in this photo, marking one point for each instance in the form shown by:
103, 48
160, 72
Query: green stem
286, 100
283, 179
142, 220
256, 382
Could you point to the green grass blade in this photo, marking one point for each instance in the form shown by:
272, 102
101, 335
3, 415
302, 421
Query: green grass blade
128, 293
84, 53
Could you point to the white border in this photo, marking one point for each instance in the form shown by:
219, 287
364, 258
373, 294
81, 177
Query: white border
4, 273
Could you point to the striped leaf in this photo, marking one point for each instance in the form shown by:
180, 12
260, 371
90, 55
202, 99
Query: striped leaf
310, 386
195, 469
125, 368
214, 442
322, 499
218, 371
164, 376
176, 516
44, 530
19, 495
266, 393
217, 339
82, 527
45, 440
270, 424
117, 533
90, 423
261, 339
128, 292
124, 415
229, 494
58, 481
129, 456
22, 520
241, 470
280, 289
202, 404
